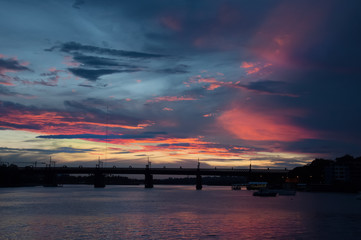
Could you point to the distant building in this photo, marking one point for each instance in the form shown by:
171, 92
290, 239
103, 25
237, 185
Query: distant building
348, 169
341, 173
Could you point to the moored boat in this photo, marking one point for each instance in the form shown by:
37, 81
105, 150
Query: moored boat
263, 192
236, 187
286, 192
256, 185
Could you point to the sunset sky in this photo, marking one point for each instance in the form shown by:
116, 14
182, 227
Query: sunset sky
273, 82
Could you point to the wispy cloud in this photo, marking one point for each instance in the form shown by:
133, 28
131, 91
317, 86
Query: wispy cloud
268, 87
93, 74
20, 117
11, 65
74, 47
144, 135
5, 150
171, 99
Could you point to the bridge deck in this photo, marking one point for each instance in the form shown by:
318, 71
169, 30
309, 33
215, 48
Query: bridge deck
156, 171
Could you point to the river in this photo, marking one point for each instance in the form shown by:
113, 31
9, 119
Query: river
174, 212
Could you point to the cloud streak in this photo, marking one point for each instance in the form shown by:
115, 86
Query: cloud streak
74, 47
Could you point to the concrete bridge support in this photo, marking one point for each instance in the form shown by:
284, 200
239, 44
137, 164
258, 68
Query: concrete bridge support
99, 179
148, 183
198, 177
50, 178
199, 182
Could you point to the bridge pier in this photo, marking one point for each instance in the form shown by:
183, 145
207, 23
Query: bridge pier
99, 179
198, 178
199, 182
148, 181
50, 179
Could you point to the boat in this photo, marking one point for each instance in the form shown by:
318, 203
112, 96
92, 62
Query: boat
256, 185
286, 192
236, 187
264, 192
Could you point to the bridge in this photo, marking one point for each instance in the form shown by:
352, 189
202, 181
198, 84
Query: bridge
50, 173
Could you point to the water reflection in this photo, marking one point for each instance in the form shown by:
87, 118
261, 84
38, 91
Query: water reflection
170, 212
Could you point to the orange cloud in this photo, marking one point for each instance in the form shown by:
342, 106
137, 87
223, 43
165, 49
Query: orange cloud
7, 83
207, 80
247, 65
59, 123
214, 83
209, 115
254, 67
213, 86
180, 146
260, 126
254, 70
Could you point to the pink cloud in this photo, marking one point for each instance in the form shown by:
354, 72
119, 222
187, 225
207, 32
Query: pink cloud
53, 122
207, 80
261, 126
199, 42
213, 86
171, 23
171, 99
247, 65
214, 83
253, 70
255, 67
208, 115
7, 83
69, 61
168, 109
277, 38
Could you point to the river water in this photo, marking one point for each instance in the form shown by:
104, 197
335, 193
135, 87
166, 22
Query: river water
174, 212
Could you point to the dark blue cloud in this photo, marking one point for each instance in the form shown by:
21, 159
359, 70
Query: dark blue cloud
101, 62
11, 65
95, 63
78, 3
103, 111
4, 91
45, 151
94, 74
269, 87
179, 69
78, 48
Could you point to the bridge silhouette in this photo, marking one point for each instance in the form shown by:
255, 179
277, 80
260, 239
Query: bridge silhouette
50, 173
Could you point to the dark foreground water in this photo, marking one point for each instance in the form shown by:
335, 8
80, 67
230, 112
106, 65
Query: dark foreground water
174, 212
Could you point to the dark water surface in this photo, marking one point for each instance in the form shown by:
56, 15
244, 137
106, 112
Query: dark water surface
174, 212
